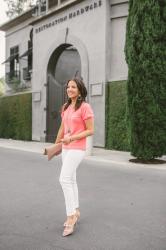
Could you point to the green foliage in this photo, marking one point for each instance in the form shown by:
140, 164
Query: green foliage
15, 7
15, 84
116, 126
146, 87
16, 117
2, 86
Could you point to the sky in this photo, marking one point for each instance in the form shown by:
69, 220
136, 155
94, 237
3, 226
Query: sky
3, 19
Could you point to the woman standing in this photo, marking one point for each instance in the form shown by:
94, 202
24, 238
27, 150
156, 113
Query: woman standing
77, 123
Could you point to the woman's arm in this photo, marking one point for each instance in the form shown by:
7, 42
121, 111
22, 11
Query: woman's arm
60, 134
89, 123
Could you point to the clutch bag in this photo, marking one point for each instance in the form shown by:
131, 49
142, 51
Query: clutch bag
53, 150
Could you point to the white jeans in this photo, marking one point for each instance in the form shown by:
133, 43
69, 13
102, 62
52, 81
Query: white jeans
71, 158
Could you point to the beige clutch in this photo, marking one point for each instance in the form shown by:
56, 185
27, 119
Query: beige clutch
53, 150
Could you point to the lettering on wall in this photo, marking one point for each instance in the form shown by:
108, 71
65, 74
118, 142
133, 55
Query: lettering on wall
70, 16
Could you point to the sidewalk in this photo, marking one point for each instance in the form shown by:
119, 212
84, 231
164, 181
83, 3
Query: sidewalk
99, 155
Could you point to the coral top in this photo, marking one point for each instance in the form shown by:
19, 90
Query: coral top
74, 123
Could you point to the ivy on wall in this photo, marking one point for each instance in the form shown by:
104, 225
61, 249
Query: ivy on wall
117, 134
16, 117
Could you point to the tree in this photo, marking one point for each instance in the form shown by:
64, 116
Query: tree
145, 51
16, 7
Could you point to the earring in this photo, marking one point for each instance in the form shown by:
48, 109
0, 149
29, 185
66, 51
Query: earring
79, 98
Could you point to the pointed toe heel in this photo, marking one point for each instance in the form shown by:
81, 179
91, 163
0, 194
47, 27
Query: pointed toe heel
77, 221
69, 229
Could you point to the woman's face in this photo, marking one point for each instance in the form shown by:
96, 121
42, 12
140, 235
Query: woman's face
72, 90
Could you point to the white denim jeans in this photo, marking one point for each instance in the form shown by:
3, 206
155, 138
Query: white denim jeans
71, 158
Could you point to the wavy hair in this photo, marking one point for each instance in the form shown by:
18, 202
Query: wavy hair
83, 93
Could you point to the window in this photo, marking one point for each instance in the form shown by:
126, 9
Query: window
63, 1
30, 55
52, 3
14, 62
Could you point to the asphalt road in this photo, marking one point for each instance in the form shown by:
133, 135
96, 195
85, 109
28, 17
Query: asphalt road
122, 208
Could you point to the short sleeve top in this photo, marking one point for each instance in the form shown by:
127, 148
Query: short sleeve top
74, 123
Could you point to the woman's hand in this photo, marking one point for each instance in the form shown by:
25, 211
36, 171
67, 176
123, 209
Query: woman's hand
66, 140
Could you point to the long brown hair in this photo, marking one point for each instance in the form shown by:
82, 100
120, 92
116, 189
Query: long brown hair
83, 93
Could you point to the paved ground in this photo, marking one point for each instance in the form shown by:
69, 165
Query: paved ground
123, 206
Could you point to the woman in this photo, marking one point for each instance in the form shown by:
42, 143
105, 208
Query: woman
77, 123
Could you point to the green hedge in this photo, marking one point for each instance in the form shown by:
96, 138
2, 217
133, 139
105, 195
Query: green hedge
16, 117
117, 135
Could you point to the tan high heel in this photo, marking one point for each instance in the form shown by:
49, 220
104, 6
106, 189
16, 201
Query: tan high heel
78, 218
69, 229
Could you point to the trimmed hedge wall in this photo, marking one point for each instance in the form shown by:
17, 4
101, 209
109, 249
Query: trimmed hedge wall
16, 117
117, 134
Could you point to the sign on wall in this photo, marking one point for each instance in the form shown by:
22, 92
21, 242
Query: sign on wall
71, 15
96, 89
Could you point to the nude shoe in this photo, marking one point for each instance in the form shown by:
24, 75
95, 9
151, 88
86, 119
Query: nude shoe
78, 218
69, 229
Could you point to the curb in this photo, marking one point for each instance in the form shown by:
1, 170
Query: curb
102, 154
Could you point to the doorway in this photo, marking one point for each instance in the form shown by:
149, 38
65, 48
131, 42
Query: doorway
63, 65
